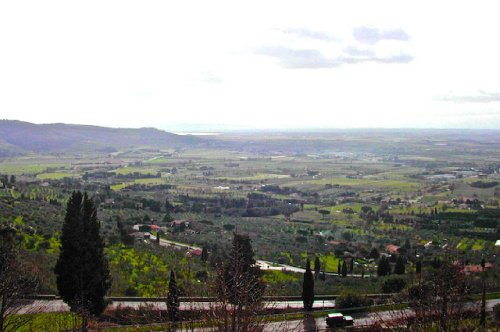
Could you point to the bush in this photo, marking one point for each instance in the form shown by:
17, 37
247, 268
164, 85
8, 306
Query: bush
393, 285
352, 300
228, 227
496, 312
301, 239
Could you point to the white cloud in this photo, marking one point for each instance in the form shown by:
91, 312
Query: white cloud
130, 63
371, 35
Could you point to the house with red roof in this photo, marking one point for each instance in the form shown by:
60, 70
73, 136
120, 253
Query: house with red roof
392, 248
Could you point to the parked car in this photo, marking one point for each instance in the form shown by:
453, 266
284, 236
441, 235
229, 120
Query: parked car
337, 319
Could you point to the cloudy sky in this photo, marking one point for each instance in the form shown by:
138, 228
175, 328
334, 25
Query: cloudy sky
252, 64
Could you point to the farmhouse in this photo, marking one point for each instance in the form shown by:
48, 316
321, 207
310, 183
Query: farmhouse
392, 248
468, 269
179, 223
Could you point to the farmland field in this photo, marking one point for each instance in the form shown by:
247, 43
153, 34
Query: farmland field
296, 198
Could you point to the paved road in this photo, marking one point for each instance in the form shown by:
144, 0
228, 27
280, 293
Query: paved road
60, 306
308, 324
360, 319
262, 264
175, 245
266, 265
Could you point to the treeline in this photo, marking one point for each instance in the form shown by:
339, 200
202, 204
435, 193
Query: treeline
7, 181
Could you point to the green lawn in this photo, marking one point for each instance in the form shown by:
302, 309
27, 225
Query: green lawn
394, 184
256, 177
140, 170
49, 322
24, 168
273, 276
147, 181
56, 175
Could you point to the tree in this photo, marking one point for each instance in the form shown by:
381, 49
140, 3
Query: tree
5, 181
482, 320
323, 213
317, 267
374, 253
344, 269
351, 265
440, 301
167, 219
339, 268
418, 267
384, 267
17, 281
82, 273
204, 254
308, 288
393, 285
239, 288
158, 238
173, 298
399, 268
168, 206
241, 272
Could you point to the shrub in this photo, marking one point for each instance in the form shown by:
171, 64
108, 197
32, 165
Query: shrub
496, 312
228, 227
301, 239
393, 285
352, 300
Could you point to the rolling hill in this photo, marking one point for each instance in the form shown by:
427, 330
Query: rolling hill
17, 137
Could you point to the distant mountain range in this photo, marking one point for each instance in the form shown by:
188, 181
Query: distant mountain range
18, 137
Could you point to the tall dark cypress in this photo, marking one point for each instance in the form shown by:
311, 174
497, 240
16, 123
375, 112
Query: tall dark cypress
173, 298
344, 269
418, 267
242, 282
82, 272
308, 288
399, 268
317, 267
382, 267
204, 254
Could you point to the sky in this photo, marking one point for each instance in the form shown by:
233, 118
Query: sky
251, 64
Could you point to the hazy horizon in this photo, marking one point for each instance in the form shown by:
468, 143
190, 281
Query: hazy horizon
220, 128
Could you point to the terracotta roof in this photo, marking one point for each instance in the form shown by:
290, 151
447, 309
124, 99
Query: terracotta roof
196, 252
476, 268
392, 248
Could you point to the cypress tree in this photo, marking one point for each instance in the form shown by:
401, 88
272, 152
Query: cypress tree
173, 298
158, 238
308, 288
399, 268
418, 267
317, 267
382, 267
242, 282
338, 268
204, 254
388, 267
344, 269
82, 272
